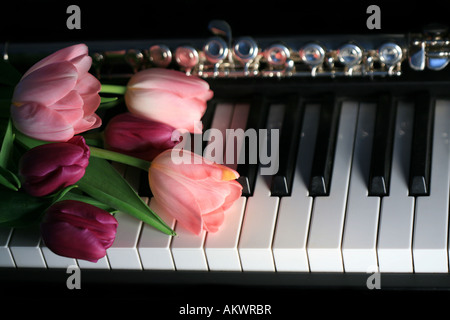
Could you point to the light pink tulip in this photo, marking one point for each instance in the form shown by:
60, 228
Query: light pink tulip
195, 194
57, 97
168, 96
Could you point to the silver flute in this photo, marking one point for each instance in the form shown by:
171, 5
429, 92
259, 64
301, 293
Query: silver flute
222, 56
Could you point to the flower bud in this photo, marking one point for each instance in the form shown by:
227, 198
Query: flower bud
51, 167
168, 96
78, 230
196, 193
57, 97
140, 138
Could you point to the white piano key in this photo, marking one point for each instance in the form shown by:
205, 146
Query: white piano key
361, 220
6, 258
187, 250
54, 260
154, 245
327, 220
102, 264
123, 253
431, 216
221, 247
397, 210
291, 233
255, 243
25, 247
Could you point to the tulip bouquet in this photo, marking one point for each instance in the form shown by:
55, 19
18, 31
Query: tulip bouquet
56, 153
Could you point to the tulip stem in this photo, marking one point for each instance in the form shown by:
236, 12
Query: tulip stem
113, 88
119, 157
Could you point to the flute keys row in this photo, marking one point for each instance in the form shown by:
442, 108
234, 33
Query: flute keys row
246, 54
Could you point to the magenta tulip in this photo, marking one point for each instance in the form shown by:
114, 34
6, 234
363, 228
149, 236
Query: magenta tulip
78, 230
168, 96
50, 167
57, 97
140, 138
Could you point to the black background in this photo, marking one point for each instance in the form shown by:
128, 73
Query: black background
39, 21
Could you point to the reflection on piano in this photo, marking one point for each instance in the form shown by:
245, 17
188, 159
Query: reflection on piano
364, 165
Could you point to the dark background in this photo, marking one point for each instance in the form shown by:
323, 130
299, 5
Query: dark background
39, 21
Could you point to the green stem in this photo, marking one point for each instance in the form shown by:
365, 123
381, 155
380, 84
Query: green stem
113, 88
119, 157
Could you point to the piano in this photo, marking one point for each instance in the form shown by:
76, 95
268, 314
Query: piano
360, 201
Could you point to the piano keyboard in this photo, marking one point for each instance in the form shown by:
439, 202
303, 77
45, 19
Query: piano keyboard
317, 214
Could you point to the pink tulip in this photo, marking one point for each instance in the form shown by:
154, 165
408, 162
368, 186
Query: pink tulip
140, 138
57, 97
78, 230
168, 96
50, 167
196, 193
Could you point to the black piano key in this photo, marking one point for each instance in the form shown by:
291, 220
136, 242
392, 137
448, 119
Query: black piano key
257, 118
380, 163
207, 119
144, 186
325, 146
289, 138
420, 165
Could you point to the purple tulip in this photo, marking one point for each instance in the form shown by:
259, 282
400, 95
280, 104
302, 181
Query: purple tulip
140, 138
78, 230
50, 167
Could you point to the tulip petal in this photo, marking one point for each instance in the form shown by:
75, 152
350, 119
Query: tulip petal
60, 240
139, 137
93, 230
82, 63
88, 84
87, 123
176, 200
165, 107
91, 103
212, 221
173, 81
41, 123
70, 107
200, 168
46, 85
65, 54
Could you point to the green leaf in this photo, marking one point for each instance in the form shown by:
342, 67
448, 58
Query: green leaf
8, 74
107, 99
89, 200
119, 157
113, 88
7, 177
102, 182
27, 141
109, 102
7, 145
18, 208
